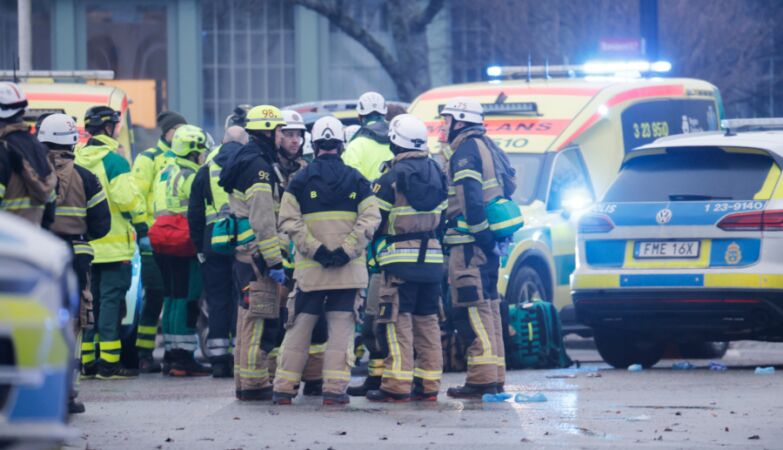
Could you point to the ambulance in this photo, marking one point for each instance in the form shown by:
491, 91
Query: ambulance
566, 133
73, 93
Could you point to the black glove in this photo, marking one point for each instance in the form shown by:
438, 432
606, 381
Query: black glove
323, 256
486, 241
340, 258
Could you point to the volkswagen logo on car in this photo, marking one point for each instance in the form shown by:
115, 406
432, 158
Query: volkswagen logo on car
664, 216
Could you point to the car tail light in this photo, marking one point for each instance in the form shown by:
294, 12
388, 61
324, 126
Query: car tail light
753, 221
595, 223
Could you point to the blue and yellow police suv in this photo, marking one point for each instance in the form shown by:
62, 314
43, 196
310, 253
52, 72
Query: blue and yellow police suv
566, 130
686, 245
38, 292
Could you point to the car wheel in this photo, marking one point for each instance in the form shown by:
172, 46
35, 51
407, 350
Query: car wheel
620, 350
703, 350
528, 286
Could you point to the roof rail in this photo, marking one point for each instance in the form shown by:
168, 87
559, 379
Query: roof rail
58, 74
733, 125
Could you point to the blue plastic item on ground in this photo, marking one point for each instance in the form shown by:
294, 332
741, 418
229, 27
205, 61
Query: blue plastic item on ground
491, 398
717, 367
765, 370
682, 365
635, 368
503, 396
535, 398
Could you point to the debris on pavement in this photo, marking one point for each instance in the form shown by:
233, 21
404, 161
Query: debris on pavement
765, 370
717, 367
535, 398
682, 365
635, 368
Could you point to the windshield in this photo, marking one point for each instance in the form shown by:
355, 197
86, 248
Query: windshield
693, 174
528, 167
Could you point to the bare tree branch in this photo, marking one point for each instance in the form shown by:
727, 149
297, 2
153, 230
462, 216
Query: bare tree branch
336, 15
424, 18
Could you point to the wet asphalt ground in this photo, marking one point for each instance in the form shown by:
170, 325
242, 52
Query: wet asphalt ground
660, 407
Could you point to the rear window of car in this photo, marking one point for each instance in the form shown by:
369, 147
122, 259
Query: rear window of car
692, 174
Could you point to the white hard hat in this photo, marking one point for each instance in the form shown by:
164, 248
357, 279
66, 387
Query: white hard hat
12, 100
350, 131
371, 102
293, 120
307, 148
328, 128
464, 109
407, 131
59, 129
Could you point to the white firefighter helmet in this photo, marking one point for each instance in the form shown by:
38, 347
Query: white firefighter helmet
59, 129
12, 100
350, 132
408, 132
307, 148
293, 120
371, 102
328, 128
464, 109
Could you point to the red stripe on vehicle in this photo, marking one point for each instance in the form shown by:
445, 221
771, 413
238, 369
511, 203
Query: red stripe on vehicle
66, 97
633, 94
525, 127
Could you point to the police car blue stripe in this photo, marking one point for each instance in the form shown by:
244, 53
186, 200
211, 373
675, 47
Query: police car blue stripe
665, 280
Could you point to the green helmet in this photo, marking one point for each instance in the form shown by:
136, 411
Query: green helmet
188, 139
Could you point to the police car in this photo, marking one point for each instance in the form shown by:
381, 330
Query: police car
38, 293
686, 245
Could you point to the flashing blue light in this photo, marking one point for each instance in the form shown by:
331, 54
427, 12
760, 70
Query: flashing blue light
494, 71
661, 66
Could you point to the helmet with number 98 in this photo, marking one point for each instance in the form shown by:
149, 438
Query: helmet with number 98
264, 118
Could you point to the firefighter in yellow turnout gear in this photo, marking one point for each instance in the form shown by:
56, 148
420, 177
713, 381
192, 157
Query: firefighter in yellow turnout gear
179, 266
412, 198
254, 193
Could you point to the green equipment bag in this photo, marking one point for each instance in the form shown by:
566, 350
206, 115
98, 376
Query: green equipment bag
504, 217
230, 232
536, 337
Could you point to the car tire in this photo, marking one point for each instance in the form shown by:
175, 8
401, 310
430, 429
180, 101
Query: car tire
528, 285
703, 350
620, 350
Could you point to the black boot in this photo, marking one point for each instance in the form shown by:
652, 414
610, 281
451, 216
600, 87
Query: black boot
147, 364
185, 365
89, 371
370, 384
282, 398
472, 390
336, 399
501, 388
313, 388
75, 406
379, 395
255, 395
115, 371
165, 366
223, 367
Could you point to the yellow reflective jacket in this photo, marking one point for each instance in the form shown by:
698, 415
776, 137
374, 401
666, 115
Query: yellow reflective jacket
367, 156
146, 168
126, 204
172, 187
